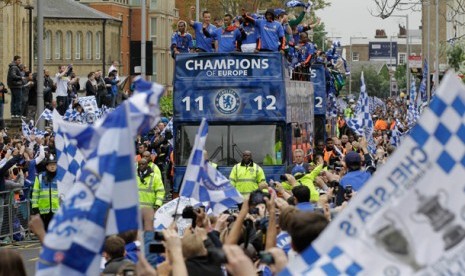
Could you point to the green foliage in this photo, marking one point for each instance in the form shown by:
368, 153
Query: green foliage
456, 57
400, 76
377, 84
166, 105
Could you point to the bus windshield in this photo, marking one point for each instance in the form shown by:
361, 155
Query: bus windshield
225, 143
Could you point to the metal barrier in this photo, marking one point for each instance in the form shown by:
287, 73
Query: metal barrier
15, 211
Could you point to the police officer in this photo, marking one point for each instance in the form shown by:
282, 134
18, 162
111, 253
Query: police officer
246, 175
45, 199
150, 185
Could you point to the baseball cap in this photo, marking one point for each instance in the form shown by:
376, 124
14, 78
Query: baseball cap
352, 158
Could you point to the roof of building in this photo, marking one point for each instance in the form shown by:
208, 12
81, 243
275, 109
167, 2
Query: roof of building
71, 9
376, 65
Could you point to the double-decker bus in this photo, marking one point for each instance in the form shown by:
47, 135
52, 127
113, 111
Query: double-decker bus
250, 104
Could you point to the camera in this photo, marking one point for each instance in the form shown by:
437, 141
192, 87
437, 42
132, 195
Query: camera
158, 236
348, 191
257, 197
188, 213
157, 246
266, 257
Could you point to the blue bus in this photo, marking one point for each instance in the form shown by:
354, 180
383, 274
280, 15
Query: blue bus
250, 104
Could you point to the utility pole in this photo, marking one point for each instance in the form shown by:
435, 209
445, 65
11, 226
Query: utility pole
40, 64
143, 57
436, 67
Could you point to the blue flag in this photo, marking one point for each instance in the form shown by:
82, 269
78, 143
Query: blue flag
105, 199
424, 82
205, 183
412, 114
361, 123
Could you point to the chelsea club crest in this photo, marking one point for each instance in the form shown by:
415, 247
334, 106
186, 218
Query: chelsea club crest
227, 101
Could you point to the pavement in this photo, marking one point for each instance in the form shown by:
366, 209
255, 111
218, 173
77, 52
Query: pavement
29, 251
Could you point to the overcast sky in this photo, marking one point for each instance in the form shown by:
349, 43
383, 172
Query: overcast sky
346, 18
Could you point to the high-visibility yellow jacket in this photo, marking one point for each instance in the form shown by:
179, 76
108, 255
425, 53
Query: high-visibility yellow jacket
246, 178
151, 189
307, 180
45, 195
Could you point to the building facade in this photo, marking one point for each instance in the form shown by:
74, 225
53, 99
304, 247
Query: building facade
359, 48
78, 35
162, 15
14, 36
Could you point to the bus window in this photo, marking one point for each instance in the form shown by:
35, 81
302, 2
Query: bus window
216, 144
226, 143
264, 141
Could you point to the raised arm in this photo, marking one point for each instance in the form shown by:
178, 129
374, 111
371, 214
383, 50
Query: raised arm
191, 19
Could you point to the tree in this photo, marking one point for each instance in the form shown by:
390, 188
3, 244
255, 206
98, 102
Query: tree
400, 76
456, 57
377, 84
220, 7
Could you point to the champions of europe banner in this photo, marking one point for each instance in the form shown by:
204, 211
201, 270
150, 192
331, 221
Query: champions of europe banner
409, 219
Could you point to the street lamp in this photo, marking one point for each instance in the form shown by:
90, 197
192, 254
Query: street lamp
408, 47
29, 7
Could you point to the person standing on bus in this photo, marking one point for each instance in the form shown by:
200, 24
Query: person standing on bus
230, 36
249, 44
246, 175
271, 32
181, 41
203, 40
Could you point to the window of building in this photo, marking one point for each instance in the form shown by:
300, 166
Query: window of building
355, 56
402, 59
153, 4
68, 41
154, 68
78, 45
162, 73
58, 41
48, 45
153, 30
89, 45
98, 42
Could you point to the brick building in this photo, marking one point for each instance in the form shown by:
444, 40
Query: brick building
360, 47
161, 16
79, 35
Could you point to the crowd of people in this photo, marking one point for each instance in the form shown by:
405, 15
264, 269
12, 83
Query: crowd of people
277, 220
60, 92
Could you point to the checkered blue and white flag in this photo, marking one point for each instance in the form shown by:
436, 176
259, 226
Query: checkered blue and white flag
424, 82
412, 114
361, 123
205, 183
169, 127
336, 262
27, 131
70, 160
47, 115
409, 193
104, 200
